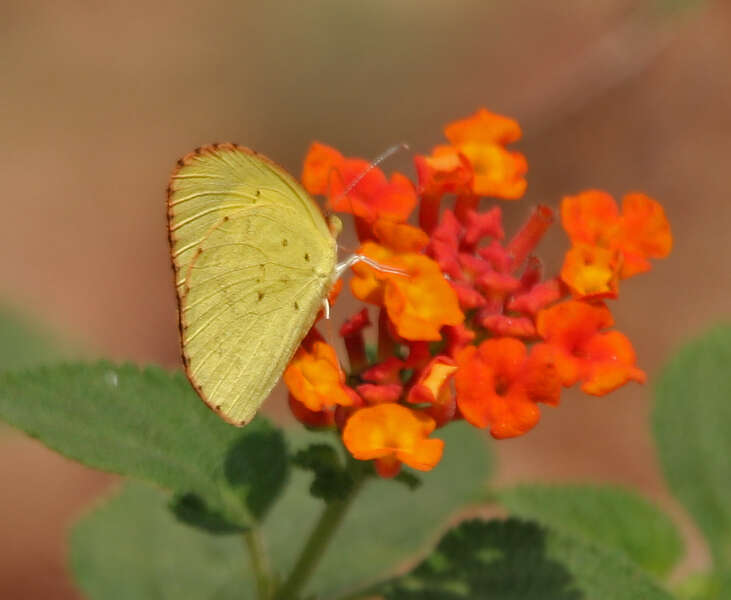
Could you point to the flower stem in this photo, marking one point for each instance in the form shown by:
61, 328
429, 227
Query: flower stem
315, 547
258, 563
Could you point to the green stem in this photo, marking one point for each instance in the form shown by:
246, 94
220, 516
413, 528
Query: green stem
258, 563
317, 543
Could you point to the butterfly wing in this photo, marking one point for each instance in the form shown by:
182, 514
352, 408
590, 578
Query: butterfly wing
253, 260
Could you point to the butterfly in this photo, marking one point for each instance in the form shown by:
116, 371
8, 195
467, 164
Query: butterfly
254, 259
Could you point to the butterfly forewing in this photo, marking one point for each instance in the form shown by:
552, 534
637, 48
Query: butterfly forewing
253, 261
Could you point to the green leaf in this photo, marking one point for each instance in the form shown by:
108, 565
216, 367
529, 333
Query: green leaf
692, 421
388, 523
132, 547
193, 510
608, 516
332, 481
149, 424
703, 586
514, 560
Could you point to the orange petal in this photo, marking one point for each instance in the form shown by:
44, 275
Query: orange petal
589, 216
368, 284
315, 379
644, 232
432, 386
567, 327
319, 164
497, 172
483, 126
391, 429
490, 388
592, 271
418, 303
572, 320
396, 199
612, 363
420, 306
446, 171
400, 237
541, 377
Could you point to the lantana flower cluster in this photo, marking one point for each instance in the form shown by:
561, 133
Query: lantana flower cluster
468, 326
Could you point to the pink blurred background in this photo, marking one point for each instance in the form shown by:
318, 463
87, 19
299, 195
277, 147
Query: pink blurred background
100, 101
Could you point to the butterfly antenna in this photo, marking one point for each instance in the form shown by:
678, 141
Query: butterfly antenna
377, 161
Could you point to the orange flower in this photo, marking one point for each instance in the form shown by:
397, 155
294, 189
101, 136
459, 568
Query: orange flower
314, 377
400, 237
446, 171
498, 385
433, 387
601, 361
640, 232
481, 138
419, 303
645, 232
592, 271
329, 173
392, 434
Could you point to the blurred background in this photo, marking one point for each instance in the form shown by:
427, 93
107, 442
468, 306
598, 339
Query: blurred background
99, 101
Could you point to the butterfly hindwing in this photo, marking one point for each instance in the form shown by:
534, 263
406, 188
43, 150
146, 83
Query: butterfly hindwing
253, 259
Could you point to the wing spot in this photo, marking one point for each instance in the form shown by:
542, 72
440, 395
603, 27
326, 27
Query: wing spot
218, 407
197, 150
296, 306
260, 296
180, 162
307, 256
225, 218
284, 243
258, 193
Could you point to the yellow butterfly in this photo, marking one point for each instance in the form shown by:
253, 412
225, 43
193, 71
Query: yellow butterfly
254, 259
